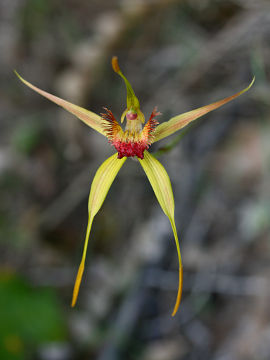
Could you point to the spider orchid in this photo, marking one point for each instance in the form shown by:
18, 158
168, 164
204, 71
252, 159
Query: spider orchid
132, 141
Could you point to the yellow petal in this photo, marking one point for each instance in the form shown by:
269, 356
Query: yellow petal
161, 185
88, 117
178, 122
101, 184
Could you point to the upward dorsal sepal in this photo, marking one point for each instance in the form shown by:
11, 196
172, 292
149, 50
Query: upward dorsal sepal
133, 105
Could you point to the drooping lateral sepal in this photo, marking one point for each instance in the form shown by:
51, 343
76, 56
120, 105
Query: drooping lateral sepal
88, 117
178, 122
161, 185
101, 184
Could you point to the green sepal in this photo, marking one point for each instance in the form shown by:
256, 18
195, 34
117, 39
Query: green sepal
161, 184
101, 184
132, 100
88, 117
178, 122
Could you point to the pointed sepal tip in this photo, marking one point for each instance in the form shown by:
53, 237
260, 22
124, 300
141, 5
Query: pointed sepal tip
115, 64
77, 284
179, 293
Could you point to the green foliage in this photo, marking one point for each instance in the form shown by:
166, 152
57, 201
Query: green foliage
27, 136
29, 316
34, 17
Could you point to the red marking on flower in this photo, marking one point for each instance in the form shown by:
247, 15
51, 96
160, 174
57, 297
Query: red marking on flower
148, 130
111, 125
129, 149
129, 144
131, 115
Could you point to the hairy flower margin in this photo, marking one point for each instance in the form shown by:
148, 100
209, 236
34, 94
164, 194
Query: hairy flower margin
133, 141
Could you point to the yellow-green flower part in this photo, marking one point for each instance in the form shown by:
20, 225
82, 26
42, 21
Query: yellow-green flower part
132, 141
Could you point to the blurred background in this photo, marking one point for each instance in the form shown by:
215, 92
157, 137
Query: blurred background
178, 55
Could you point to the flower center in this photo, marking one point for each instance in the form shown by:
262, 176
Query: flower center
134, 140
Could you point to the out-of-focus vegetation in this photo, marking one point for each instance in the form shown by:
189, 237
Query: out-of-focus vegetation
178, 55
29, 317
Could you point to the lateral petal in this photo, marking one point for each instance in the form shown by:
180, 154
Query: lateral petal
88, 117
101, 184
161, 185
178, 122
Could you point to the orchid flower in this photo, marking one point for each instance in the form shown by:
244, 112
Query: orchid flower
132, 141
